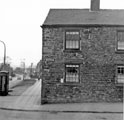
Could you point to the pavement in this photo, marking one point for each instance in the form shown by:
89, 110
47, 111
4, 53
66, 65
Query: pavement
30, 101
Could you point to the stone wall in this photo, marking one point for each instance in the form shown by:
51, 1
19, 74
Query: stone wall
97, 58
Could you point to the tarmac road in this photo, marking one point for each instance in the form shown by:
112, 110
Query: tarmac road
23, 115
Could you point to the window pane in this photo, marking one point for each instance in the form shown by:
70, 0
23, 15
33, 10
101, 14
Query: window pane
121, 78
121, 36
76, 44
67, 44
121, 45
67, 33
67, 77
119, 71
121, 40
72, 44
120, 74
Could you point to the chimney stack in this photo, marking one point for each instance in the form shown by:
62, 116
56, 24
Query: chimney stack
95, 5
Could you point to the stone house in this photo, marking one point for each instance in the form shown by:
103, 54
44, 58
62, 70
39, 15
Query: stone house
83, 55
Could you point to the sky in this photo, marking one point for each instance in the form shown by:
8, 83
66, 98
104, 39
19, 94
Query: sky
20, 29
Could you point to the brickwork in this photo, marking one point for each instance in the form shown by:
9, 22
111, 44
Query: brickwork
97, 58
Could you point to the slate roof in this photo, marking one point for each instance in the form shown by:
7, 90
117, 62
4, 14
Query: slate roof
84, 17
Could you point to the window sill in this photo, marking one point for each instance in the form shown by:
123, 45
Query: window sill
72, 50
119, 51
71, 84
119, 84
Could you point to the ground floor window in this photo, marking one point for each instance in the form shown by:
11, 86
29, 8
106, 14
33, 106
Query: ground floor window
120, 74
71, 73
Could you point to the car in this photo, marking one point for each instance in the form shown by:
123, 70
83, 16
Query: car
18, 78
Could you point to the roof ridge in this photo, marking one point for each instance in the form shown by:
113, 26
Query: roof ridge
85, 9
68, 9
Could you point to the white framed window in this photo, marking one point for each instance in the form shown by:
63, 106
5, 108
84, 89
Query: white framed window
72, 40
71, 73
120, 38
120, 73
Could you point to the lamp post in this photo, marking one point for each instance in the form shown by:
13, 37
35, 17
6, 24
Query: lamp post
4, 59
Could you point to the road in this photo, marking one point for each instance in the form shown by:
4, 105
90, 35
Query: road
23, 115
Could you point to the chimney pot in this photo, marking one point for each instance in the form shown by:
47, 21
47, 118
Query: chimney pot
95, 5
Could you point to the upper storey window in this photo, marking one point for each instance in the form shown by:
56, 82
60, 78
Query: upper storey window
120, 38
72, 40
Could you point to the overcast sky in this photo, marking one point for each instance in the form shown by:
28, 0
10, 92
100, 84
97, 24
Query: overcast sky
20, 22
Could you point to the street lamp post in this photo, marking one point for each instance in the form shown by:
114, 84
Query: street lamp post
4, 59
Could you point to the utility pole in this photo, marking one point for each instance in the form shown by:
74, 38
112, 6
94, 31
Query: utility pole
31, 69
23, 68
